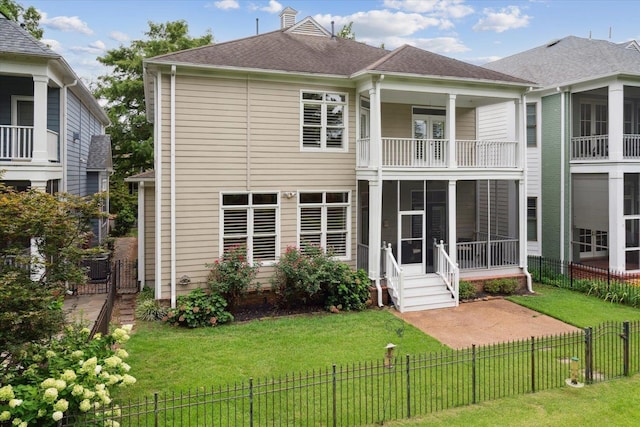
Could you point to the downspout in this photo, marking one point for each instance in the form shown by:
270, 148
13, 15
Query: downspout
141, 236
562, 171
158, 186
379, 125
248, 130
522, 126
62, 138
173, 185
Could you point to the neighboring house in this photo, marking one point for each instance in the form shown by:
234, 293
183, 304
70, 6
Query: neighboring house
583, 138
297, 137
51, 127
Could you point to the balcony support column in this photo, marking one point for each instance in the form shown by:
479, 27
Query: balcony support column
40, 119
451, 220
375, 185
450, 130
616, 121
617, 237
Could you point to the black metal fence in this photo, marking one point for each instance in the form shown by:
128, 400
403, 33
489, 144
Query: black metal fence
620, 287
398, 388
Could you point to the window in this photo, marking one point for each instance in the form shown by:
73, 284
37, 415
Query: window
325, 221
323, 119
531, 125
532, 219
251, 220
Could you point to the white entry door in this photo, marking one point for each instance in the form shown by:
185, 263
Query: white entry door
429, 133
411, 237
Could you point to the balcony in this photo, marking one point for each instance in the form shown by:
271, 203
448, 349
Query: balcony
16, 144
434, 153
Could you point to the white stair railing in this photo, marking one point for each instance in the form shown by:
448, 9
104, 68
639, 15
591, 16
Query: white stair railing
447, 270
395, 278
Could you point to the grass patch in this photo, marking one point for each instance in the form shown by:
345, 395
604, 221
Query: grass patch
574, 307
600, 404
168, 359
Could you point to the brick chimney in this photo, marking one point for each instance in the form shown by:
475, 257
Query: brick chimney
288, 17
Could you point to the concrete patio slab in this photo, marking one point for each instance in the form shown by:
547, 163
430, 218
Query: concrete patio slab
484, 322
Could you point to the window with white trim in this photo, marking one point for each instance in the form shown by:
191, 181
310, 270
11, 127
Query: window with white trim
532, 219
251, 220
531, 125
323, 118
325, 221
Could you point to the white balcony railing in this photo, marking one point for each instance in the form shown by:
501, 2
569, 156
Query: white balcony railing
595, 147
16, 142
631, 146
447, 270
486, 254
434, 153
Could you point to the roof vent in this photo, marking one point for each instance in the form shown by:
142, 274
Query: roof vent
553, 43
288, 17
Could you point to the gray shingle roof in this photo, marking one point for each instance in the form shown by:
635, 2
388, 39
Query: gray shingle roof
15, 39
100, 153
144, 176
569, 60
287, 51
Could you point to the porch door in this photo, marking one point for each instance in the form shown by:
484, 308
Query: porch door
364, 123
411, 238
427, 129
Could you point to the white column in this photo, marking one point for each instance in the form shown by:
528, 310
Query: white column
450, 130
451, 209
522, 225
616, 221
40, 119
375, 138
375, 221
616, 121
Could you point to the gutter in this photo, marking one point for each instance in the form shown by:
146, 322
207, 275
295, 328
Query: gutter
158, 189
173, 185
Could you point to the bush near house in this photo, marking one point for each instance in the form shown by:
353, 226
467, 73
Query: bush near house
232, 275
467, 290
504, 286
199, 308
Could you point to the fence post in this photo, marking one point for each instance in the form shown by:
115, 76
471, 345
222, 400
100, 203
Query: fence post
608, 279
533, 364
335, 409
625, 346
155, 409
473, 373
408, 388
251, 402
570, 274
588, 355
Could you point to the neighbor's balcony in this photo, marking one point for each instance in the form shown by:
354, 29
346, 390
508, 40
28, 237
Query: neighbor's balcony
434, 153
16, 144
596, 147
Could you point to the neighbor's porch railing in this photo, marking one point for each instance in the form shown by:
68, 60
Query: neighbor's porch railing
447, 270
631, 147
395, 278
434, 153
592, 147
16, 143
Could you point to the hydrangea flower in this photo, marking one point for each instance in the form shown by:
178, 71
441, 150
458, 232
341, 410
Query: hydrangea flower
57, 416
14, 403
5, 415
50, 394
6, 393
68, 375
61, 405
85, 405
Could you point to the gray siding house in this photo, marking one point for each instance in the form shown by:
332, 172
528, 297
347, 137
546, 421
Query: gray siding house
51, 127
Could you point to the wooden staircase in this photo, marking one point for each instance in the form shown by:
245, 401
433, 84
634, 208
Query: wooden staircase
422, 292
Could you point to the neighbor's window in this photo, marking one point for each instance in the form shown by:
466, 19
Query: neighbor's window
323, 121
324, 219
531, 125
250, 219
532, 219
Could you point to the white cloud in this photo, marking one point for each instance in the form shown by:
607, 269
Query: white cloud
444, 8
66, 23
226, 4
53, 45
94, 48
118, 36
502, 20
383, 23
274, 7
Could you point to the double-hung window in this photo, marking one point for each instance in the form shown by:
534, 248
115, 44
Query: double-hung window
323, 119
531, 125
325, 221
251, 220
532, 219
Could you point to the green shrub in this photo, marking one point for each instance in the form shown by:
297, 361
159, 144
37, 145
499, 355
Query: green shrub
150, 310
350, 290
500, 286
296, 279
466, 290
231, 275
66, 375
199, 308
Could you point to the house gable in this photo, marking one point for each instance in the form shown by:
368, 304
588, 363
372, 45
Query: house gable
309, 27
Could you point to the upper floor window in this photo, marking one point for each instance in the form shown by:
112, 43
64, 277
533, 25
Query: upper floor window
251, 220
531, 125
323, 118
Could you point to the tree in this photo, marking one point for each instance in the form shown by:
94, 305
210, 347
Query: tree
58, 226
29, 17
131, 134
346, 32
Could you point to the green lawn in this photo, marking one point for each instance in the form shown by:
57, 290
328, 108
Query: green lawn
575, 308
166, 358
605, 404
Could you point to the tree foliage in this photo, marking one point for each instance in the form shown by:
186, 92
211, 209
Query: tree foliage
32, 281
29, 17
122, 88
346, 32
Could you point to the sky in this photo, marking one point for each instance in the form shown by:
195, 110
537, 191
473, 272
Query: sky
474, 31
